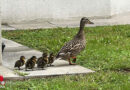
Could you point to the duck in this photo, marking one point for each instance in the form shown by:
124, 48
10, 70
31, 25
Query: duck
51, 59
30, 63
73, 47
42, 61
20, 62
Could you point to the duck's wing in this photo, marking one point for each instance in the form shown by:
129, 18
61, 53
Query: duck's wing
66, 48
16, 63
38, 60
78, 46
72, 46
27, 62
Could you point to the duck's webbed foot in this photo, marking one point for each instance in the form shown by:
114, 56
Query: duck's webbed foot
70, 63
74, 59
26, 69
51, 65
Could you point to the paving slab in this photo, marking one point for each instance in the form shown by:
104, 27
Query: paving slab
14, 50
7, 73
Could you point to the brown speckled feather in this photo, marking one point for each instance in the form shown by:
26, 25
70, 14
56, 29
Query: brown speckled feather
76, 45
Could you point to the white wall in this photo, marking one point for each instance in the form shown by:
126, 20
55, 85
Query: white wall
0, 38
18, 11
120, 6
14, 11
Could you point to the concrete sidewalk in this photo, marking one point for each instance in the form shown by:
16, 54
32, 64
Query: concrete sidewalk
73, 22
13, 51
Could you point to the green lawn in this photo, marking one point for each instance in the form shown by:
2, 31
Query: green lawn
107, 52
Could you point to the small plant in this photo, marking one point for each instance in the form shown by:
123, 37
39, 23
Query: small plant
128, 34
20, 73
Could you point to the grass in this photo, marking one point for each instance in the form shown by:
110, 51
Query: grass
107, 52
20, 73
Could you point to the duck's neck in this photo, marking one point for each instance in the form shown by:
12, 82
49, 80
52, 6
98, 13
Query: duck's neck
81, 30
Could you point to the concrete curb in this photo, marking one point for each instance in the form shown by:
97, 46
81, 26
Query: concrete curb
21, 78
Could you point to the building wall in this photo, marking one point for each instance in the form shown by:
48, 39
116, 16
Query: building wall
21, 11
15, 11
120, 6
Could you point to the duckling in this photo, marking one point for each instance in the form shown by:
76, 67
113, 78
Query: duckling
51, 59
72, 48
20, 62
30, 63
42, 61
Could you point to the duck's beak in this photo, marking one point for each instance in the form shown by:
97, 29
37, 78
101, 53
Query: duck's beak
90, 22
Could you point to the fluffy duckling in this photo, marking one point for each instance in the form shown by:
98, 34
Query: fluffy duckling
42, 61
20, 62
51, 59
30, 63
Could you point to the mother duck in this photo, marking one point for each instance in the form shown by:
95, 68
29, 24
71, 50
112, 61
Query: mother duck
72, 48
